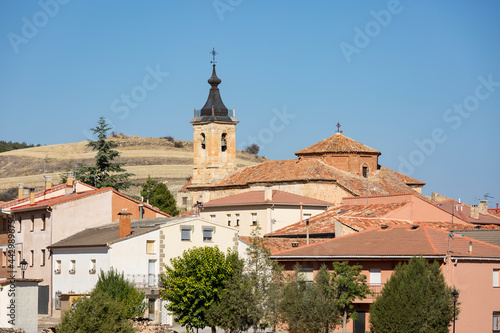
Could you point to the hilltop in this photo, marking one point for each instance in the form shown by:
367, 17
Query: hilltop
165, 159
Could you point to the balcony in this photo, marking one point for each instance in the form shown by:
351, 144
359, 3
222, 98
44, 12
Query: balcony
376, 290
145, 280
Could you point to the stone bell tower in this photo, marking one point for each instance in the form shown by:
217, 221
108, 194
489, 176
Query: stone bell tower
214, 141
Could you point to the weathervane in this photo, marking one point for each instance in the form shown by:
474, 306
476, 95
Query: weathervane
213, 55
338, 128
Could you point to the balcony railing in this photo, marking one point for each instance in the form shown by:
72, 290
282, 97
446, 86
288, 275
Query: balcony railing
376, 290
145, 280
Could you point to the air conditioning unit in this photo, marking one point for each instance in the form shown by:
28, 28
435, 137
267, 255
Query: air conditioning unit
92, 271
71, 271
57, 271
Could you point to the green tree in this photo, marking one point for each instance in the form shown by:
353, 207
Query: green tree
348, 284
158, 195
105, 173
232, 311
100, 313
118, 288
195, 281
327, 312
415, 299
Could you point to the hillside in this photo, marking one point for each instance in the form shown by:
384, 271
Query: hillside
169, 161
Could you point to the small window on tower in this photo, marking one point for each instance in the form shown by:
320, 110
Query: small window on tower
203, 143
223, 142
365, 171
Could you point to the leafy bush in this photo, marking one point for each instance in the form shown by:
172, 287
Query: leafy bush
114, 284
178, 144
252, 149
100, 313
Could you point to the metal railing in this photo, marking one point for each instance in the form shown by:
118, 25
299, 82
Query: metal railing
376, 290
145, 280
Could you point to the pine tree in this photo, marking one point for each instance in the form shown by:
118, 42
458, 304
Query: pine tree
105, 173
158, 195
415, 299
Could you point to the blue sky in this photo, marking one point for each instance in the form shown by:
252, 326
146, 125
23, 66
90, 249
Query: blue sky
417, 80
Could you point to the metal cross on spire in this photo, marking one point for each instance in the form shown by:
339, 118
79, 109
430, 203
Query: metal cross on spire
213, 56
338, 128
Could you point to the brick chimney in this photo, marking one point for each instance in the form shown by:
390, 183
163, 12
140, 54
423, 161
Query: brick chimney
125, 227
20, 191
483, 207
48, 182
474, 212
32, 196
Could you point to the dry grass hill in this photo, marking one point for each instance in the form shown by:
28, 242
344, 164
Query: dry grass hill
166, 160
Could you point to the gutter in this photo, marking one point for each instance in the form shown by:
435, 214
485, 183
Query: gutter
357, 257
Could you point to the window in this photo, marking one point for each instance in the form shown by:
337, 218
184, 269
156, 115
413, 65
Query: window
4, 259
212, 218
19, 223
32, 223
254, 219
58, 267
365, 171
229, 219
150, 247
19, 258
186, 233
92, 266
32, 258
4, 224
496, 322
207, 234
496, 282
306, 216
43, 222
72, 267
42, 258
184, 201
237, 220
308, 274
375, 276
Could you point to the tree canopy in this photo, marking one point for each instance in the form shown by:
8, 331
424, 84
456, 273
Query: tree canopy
105, 172
158, 195
415, 299
195, 281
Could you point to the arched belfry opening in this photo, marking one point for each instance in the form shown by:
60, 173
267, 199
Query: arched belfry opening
223, 142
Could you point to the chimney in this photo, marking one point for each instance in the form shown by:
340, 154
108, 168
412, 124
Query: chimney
268, 193
474, 212
48, 182
32, 196
69, 183
307, 231
483, 206
470, 247
20, 191
124, 228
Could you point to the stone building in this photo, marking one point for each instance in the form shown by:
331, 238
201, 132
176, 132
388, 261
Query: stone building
329, 170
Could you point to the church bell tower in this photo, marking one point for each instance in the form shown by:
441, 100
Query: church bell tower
214, 141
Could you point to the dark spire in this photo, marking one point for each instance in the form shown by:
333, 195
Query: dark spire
214, 101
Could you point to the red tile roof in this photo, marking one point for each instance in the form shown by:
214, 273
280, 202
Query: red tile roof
337, 143
276, 245
383, 181
39, 194
76, 196
396, 241
258, 197
60, 199
325, 222
463, 212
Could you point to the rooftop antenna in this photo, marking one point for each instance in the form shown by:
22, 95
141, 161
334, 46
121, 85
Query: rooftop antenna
487, 195
213, 53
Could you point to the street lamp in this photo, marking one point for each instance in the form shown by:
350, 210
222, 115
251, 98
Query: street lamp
24, 265
455, 296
